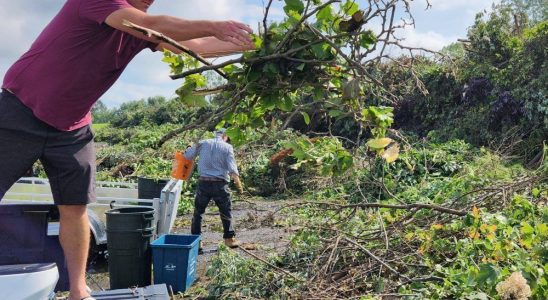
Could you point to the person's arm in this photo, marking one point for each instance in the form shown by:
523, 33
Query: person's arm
192, 151
208, 47
180, 29
233, 170
237, 183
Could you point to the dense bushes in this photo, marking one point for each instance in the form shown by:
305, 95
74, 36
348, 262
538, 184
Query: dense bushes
497, 87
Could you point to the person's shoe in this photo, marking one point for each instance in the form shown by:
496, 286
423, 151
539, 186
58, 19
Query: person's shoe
232, 242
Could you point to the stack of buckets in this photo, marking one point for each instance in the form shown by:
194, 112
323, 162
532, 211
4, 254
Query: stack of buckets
129, 235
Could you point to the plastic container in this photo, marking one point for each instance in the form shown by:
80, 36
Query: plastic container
175, 259
28, 282
25, 239
152, 292
148, 188
130, 218
128, 245
182, 167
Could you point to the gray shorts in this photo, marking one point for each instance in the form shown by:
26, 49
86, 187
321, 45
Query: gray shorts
68, 157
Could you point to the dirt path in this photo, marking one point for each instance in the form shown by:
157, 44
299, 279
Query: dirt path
257, 222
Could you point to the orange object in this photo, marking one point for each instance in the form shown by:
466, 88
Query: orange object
182, 167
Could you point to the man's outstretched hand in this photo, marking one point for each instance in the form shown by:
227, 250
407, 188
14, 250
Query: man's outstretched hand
233, 32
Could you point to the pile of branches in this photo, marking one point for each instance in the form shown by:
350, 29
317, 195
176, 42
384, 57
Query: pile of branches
352, 263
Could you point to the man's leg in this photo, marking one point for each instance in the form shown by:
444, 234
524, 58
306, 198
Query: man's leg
74, 236
200, 204
69, 162
21, 141
224, 203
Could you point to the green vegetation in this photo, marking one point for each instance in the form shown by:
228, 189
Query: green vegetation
451, 204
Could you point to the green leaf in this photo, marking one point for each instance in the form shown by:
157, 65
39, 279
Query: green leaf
335, 113
350, 7
319, 50
379, 143
269, 101
286, 104
254, 75
257, 122
294, 5
257, 41
325, 14
526, 228
306, 117
542, 229
236, 135
294, 17
487, 273
367, 39
194, 101
271, 68
241, 118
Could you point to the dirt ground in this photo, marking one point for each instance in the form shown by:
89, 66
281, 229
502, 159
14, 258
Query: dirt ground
258, 224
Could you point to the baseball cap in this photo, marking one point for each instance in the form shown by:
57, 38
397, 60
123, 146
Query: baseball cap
220, 131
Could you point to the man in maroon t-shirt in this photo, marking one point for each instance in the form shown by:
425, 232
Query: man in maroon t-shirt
48, 93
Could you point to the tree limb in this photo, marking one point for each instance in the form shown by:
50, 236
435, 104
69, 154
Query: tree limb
151, 33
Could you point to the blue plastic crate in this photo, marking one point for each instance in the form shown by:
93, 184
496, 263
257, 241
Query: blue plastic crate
175, 260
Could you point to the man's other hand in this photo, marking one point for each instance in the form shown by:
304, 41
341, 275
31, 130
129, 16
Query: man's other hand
233, 32
238, 184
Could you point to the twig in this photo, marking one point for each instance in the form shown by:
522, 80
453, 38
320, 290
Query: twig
421, 279
267, 9
269, 264
393, 206
399, 274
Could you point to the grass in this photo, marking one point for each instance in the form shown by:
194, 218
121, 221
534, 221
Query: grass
98, 126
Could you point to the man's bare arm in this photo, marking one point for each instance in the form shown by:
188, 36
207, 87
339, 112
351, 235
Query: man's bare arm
180, 29
208, 47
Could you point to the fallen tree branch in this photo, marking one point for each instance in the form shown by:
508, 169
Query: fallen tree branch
270, 265
399, 274
392, 206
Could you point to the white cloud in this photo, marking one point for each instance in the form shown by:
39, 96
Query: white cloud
210, 9
430, 40
468, 5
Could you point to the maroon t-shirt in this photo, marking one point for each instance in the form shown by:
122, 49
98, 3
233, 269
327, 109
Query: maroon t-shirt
74, 61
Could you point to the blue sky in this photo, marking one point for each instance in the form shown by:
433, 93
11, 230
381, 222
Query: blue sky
22, 21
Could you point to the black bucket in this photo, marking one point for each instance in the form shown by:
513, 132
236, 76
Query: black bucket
129, 233
150, 188
130, 218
